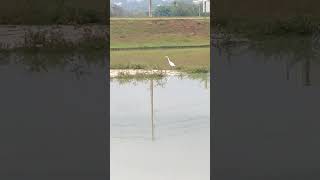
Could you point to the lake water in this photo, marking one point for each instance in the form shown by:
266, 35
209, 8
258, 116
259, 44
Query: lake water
172, 144
266, 118
266, 112
53, 117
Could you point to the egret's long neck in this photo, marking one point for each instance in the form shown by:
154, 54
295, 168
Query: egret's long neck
168, 59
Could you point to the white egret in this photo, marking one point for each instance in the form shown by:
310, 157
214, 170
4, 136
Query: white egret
170, 62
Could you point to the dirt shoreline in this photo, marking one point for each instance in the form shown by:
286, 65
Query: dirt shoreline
114, 73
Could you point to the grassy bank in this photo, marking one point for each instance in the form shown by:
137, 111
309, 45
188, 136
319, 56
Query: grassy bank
192, 60
143, 43
155, 32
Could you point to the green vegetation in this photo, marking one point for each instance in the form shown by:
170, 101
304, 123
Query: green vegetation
141, 33
136, 8
177, 8
191, 60
141, 76
129, 66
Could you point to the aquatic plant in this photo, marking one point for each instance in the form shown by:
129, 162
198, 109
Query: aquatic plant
141, 75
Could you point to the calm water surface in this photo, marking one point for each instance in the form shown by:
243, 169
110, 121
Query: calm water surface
172, 144
53, 117
266, 112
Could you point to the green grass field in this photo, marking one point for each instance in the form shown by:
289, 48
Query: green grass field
154, 32
155, 59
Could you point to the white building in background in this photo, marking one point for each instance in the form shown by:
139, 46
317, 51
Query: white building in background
206, 6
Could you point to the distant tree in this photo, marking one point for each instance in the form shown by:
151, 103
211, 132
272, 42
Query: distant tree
117, 11
177, 8
174, 3
185, 9
163, 11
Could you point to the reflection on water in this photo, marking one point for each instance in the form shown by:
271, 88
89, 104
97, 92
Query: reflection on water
80, 64
53, 109
160, 129
266, 111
